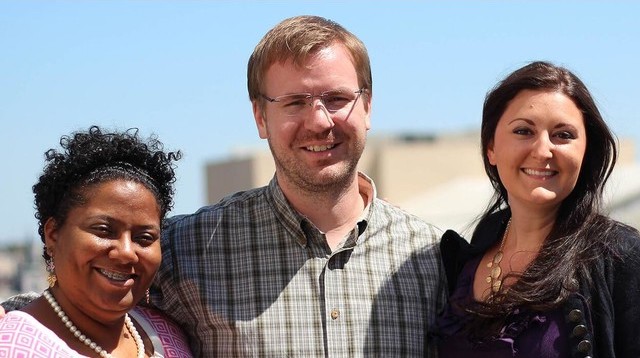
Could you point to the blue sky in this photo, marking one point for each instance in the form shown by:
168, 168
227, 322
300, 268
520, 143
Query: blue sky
177, 69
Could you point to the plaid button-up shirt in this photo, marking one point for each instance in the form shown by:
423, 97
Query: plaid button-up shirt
250, 276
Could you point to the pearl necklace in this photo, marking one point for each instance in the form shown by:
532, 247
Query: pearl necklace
496, 271
84, 339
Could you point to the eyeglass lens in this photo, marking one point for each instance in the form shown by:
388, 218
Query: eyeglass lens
333, 101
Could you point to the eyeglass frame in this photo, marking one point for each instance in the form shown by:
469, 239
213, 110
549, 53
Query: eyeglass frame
309, 97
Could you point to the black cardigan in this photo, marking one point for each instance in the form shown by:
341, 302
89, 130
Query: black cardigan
604, 321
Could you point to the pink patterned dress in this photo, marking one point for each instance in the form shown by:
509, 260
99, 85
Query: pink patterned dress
22, 336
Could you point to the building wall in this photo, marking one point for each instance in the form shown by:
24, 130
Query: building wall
400, 166
440, 179
404, 168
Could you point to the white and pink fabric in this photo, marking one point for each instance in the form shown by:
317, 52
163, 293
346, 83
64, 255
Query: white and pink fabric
22, 336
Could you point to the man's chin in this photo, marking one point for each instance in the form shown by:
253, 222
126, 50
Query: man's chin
328, 180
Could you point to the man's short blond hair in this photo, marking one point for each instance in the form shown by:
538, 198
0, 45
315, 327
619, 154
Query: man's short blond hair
297, 38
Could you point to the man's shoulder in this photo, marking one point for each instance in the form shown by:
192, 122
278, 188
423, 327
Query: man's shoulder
234, 203
18, 301
397, 219
384, 208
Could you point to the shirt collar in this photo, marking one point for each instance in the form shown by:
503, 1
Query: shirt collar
289, 217
367, 190
296, 224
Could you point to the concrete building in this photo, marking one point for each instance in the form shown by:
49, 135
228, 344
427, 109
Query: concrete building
438, 178
21, 269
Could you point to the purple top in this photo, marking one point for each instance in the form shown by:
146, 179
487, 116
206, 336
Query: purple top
526, 334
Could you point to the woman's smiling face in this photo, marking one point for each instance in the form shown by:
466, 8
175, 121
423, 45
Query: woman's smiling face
107, 250
538, 147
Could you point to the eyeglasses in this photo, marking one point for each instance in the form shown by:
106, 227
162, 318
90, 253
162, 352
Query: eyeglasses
333, 101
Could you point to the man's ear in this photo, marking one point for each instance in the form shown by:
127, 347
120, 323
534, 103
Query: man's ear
366, 97
259, 116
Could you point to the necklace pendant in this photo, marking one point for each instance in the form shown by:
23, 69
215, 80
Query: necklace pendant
494, 279
495, 272
498, 257
496, 285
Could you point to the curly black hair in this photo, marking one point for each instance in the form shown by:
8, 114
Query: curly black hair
92, 157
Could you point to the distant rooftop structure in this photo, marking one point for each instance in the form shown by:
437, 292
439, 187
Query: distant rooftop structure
439, 178
21, 269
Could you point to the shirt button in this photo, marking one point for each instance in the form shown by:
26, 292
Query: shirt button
335, 313
575, 315
584, 346
580, 331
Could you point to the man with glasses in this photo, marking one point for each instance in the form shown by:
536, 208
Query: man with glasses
313, 264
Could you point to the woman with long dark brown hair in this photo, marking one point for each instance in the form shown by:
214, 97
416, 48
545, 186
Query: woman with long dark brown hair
546, 273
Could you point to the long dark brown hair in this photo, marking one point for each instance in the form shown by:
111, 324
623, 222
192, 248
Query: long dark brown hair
580, 233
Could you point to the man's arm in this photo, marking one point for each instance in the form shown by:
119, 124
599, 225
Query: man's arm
17, 302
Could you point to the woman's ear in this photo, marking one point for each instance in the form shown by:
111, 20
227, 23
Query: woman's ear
491, 155
50, 233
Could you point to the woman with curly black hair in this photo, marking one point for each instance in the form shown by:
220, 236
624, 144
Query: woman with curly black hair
100, 204
547, 273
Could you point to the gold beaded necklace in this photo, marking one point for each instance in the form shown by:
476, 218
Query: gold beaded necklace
495, 274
